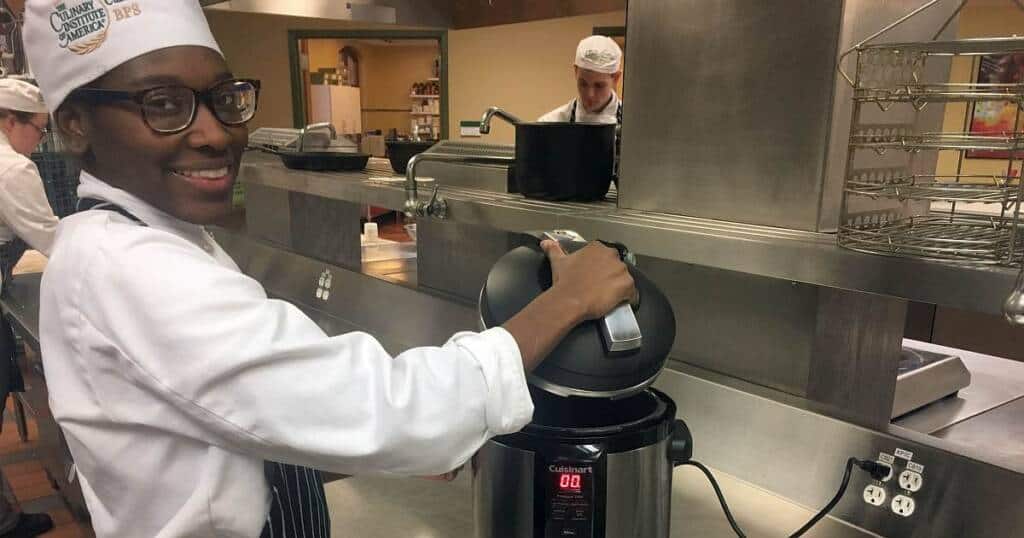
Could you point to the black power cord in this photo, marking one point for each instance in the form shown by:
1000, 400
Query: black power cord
877, 471
721, 498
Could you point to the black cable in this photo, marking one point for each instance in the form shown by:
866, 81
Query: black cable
831, 504
875, 469
721, 498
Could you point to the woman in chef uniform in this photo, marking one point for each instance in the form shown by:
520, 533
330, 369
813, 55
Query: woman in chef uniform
192, 403
26, 220
598, 69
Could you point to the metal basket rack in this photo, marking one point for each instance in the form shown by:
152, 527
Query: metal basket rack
892, 205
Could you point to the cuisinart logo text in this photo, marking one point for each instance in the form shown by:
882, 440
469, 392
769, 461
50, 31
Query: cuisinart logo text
569, 469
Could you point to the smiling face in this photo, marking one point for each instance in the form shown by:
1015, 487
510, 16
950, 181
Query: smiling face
190, 174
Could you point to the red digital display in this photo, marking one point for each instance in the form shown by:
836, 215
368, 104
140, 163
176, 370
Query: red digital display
570, 481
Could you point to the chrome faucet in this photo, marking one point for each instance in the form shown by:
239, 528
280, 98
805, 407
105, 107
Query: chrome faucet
316, 127
438, 206
485, 122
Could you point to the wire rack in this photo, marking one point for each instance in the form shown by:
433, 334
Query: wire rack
883, 138
960, 239
906, 209
937, 188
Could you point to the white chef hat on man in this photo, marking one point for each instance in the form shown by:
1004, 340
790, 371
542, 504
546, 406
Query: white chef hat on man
70, 43
21, 96
599, 53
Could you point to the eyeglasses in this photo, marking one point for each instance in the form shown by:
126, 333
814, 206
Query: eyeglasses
42, 130
172, 109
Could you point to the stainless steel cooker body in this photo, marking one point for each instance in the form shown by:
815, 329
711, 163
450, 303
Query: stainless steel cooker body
548, 484
637, 490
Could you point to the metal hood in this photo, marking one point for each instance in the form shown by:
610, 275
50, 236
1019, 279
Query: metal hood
346, 10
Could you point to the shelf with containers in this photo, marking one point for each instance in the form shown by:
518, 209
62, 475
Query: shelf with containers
425, 109
896, 202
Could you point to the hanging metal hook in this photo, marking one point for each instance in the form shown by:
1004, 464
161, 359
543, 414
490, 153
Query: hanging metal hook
1013, 307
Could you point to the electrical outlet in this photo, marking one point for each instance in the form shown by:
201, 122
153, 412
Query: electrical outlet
911, 481
874, 495
903, 505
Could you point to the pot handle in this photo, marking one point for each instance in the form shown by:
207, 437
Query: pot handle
680, 448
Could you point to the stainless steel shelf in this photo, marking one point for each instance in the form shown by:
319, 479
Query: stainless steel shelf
809, 257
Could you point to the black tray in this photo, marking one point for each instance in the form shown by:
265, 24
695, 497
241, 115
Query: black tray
322, 161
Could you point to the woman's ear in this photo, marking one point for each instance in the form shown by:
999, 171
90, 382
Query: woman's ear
7, 123
72, 122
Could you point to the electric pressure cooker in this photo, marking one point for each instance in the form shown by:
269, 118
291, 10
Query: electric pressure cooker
596, 460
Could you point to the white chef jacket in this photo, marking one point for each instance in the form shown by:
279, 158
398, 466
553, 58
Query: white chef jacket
24, 210
608, 114
174, 377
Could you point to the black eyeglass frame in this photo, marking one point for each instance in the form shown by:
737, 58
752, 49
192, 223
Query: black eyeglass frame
103, 95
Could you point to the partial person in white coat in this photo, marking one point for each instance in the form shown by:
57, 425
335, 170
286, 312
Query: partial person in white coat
26, 220
193, 404
597, 69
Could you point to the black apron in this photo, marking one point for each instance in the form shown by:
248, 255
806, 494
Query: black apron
298, 505
10, 374
618, 136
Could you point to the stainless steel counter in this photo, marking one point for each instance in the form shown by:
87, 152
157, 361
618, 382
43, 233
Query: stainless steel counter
371, 506
807, 257
776, 447
381, 507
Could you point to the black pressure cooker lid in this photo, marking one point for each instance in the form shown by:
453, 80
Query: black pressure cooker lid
581, 365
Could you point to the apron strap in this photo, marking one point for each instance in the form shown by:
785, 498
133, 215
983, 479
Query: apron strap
575, 103
86, 204
298, 505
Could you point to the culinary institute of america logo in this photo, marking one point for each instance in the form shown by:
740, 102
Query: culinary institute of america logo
81, 25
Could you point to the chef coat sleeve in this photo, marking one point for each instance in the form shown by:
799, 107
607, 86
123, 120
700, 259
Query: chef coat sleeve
230, 367
24, 207
559, 114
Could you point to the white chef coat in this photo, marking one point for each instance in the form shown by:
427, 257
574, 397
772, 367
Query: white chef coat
24, 210
608, 114
174, 377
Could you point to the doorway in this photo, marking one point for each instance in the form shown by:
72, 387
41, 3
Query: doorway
371, 83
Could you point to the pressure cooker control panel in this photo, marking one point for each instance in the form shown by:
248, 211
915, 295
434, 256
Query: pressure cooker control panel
569, 500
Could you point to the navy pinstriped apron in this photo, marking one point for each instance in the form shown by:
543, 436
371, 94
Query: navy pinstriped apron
298, 506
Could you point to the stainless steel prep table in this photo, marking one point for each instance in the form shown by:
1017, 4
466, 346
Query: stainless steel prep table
371, 507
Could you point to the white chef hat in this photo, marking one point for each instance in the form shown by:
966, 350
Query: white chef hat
599, 53
20, 95
70, 43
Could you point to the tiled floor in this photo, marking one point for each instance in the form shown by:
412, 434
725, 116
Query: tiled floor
27, 482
